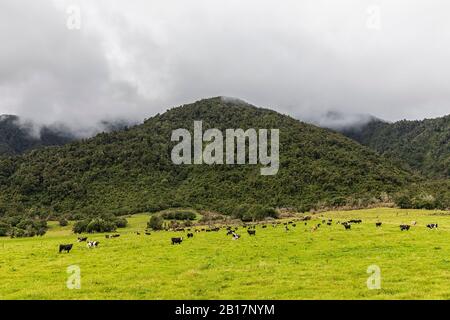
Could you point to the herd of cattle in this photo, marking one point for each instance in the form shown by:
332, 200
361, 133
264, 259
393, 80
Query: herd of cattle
249, 228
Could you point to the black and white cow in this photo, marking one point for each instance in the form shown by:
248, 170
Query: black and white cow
92, 244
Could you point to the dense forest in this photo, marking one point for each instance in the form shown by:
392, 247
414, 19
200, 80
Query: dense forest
423, 145
17, 138
130, 171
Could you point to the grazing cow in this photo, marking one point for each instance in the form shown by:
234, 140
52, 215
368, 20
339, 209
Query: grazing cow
82, 239
251, 232
230, 232
236, 236
177, 240
65, 247
109, 236
404, 227
190, 235
377, 224
347, 226
92, 244
148, 233
328, 223
264, 226
432, 226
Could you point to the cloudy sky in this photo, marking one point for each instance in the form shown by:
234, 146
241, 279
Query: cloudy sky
132, 59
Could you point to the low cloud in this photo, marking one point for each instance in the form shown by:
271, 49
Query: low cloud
130, 60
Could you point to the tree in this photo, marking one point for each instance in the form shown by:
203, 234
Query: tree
121, 222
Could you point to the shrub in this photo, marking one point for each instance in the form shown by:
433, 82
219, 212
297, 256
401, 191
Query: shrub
63, 222
100, 225
121, 222
80, 226
156, 222
4, 229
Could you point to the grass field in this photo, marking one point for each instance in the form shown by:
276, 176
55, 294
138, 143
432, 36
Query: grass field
330, 263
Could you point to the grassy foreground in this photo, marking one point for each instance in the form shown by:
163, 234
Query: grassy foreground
330, 263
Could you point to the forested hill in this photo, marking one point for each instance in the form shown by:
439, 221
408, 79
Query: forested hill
131, 170
16, 138
423, 145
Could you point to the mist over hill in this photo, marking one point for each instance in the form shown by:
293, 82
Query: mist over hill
18, 136
423, 145
131, 170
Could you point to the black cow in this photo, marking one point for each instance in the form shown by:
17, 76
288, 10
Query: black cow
148, 233
404, 227
190, 235
432, 225
251, 232
65, 247
347, 226
177, 240
82, 239
230, 232
377, 224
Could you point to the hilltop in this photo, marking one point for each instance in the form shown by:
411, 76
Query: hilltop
131, 170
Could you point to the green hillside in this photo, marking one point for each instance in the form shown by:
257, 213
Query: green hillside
131, 170
423, 145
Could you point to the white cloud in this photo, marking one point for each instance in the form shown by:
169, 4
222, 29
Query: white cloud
135, 58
